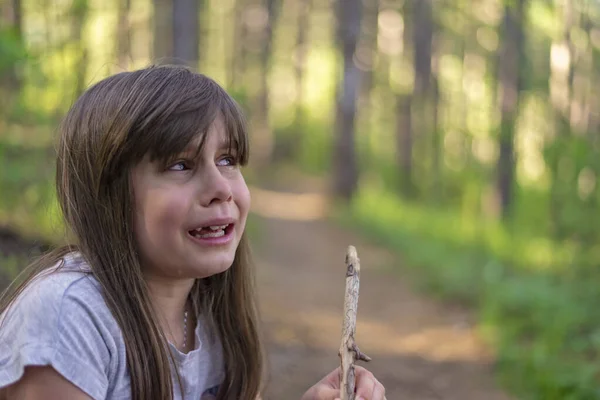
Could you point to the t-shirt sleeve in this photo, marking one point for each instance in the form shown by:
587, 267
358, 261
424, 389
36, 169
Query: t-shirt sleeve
52, 325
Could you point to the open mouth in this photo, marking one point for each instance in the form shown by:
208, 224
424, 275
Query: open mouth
211, 232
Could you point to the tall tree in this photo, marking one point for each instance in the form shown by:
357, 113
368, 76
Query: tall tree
422, 37
162, 45
79, 11
509, 74
12, 47
263, 132
304, 7
287, 145
368, 59
176, 31
348, 31
186, 35
123, 49
424, 98
404, 120
561, 83
238, 46
436, 142
368, 45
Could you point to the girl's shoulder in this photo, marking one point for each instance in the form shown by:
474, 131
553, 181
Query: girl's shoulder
64, 293
61, 319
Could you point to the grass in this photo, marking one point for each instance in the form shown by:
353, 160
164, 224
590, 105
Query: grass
542, 318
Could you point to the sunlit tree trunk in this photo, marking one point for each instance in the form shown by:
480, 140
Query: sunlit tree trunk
562, 73
263, 133
404, 120
367, 58
436, 142
238, 46
79, 11
511, 52
304, 7
287, 145
263, 40
368, 51
348, 31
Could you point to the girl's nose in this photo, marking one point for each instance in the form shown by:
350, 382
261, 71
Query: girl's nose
216, 188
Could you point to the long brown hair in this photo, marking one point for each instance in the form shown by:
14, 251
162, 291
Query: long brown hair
156, 111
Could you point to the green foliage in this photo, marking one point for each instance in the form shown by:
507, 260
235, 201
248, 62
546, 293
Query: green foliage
543, 319
12, 49
27, 196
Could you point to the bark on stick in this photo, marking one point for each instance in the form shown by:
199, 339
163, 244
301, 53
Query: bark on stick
349, 351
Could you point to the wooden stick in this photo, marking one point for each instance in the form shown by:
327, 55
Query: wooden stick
349, 351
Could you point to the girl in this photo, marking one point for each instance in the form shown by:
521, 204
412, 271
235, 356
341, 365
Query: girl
156, 298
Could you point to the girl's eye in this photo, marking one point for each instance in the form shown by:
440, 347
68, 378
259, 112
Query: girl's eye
180, 166
227, 161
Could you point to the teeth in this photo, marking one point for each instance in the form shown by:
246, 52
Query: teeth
210, 234
218, 227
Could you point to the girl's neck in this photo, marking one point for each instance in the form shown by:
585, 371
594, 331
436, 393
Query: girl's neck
169, 299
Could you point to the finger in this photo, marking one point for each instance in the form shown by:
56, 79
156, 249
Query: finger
365, 384
378, 391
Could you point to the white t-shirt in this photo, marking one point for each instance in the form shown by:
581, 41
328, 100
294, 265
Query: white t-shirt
61, 320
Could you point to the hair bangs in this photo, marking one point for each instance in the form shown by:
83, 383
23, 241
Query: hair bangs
235, 126
188, 120
178, 133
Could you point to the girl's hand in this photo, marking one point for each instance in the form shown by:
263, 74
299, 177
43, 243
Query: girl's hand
367, 387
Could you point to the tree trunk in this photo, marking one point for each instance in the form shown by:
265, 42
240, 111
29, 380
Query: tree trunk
562, 106
404, 120
510, 81
162, 49
263, 133
348, 31
123, 35
186, 35
422, 107
436, 142
288, 145
79, 11
304, 7
405, 143
369, 45
238, 47
11, 18
423, 38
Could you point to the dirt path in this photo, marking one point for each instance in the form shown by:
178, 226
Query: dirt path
421, 350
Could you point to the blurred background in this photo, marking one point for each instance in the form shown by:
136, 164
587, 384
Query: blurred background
454, 142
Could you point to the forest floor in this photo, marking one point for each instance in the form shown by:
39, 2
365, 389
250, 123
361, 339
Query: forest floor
422, 349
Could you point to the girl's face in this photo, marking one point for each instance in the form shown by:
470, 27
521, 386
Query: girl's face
190, 215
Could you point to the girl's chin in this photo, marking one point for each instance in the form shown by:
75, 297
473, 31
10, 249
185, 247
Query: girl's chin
205, 269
